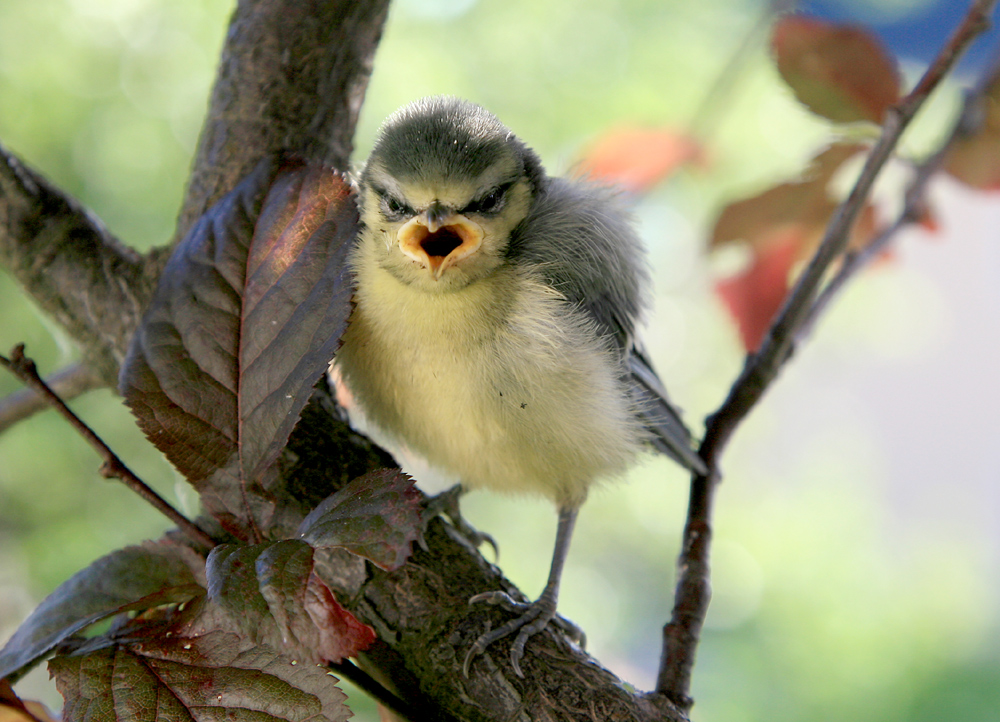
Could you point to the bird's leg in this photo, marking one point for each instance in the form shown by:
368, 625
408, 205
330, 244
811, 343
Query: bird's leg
446, 504
534, 616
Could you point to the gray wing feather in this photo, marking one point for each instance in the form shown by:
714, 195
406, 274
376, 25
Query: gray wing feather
581, 238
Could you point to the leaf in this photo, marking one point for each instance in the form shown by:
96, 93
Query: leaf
14, 709
272, 595
840, 72
283, 572
376, 516
232, 584
756, 294
637, 159
130, 579
781, 227
341, 635
246, 317
805, 202
974, 158
212, 677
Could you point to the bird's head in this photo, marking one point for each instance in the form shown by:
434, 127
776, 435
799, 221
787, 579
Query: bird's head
443, 190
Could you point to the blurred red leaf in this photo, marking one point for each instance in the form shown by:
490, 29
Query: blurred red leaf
975, 159
838, 71
805, 202
928, 221
754, 296
637, 159
781, 227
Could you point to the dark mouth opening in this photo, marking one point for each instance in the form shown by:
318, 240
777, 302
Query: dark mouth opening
441, 243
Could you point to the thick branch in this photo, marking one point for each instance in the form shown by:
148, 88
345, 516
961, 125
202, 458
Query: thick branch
292, 78
681, 634
70, 265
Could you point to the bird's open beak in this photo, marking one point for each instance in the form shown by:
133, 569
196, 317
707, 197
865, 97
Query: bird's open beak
438, 243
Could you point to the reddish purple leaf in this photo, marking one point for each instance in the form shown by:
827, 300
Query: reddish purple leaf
271, 595
781, 227
341, 635
974, 157
130, 579
840, 72
637, 159
217, 676
247, 314
376, 516
232, 584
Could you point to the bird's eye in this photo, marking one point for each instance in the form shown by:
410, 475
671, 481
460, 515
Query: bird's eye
492, 202
395, 209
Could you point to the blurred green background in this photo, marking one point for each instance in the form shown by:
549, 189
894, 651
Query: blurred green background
857, 532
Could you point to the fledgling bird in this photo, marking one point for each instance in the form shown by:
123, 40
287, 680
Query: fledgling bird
495, 319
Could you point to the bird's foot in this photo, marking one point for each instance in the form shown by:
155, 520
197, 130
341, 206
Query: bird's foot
532, 619
446, 504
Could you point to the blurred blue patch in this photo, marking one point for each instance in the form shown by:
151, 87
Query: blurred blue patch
914, 30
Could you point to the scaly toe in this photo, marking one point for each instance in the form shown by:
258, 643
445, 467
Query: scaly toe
533, 619
446, 504
575, 633
501, 599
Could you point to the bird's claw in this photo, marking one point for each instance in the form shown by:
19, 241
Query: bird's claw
500, 599
533, 619
530, 623
446, 504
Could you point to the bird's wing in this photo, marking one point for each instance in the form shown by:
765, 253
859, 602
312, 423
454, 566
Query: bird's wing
670, 435
581, 238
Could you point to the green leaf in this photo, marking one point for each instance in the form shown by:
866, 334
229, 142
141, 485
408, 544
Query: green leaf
130, 579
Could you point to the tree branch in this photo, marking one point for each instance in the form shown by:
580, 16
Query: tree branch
70, 382
969, 122
292, 78
71, 266
681, 634
113, 467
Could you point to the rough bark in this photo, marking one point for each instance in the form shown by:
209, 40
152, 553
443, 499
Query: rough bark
73, 268
292, 79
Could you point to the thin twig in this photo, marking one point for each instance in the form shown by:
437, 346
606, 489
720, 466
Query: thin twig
68, 383
969, 122
113, 467
681, 634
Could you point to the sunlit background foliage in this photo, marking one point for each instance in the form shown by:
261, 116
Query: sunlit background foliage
857, 534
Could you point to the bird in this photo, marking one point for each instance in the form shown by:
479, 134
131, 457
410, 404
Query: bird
494, 331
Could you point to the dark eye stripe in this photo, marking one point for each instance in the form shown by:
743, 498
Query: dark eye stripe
392, 207
492, 202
